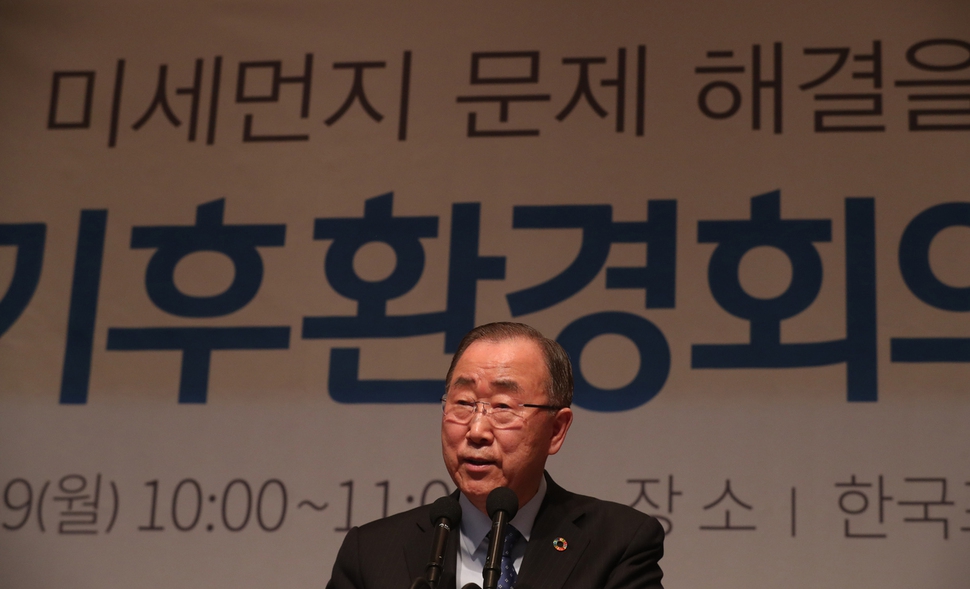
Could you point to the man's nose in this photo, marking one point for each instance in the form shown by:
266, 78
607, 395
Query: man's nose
480, 427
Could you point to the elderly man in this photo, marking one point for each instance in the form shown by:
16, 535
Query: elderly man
505, 411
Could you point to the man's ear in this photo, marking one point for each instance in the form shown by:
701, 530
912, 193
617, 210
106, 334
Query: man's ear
560, 425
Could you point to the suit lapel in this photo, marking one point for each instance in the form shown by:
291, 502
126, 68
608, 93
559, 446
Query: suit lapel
416, 550
417, 553
544, 565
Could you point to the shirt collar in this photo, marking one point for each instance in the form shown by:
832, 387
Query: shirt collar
475, 525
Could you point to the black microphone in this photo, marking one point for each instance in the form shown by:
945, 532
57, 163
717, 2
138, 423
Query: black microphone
445, 515
502, 505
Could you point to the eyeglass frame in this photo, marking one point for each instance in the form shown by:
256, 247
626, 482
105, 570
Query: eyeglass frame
484, 413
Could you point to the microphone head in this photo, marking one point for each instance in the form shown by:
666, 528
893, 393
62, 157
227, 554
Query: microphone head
446, 507
502, 499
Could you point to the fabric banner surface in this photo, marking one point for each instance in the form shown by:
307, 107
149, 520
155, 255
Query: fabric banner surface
239, 242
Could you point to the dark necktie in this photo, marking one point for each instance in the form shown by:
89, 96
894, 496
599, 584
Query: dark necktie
508, 576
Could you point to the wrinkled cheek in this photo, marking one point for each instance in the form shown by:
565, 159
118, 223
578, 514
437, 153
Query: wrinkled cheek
450, 442
510, 445
451, 435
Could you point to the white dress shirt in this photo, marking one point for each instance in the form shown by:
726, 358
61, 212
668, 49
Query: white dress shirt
475, 525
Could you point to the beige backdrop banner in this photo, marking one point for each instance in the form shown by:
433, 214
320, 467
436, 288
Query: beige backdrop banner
239, 242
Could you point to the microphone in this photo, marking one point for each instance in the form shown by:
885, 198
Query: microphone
502, 505
445, 515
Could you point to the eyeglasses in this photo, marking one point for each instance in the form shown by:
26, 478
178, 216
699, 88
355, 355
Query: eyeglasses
501, 415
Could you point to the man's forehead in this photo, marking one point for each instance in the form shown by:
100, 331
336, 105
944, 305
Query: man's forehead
507, 385
505, 364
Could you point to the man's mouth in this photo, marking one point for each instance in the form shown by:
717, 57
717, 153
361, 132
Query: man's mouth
478, 462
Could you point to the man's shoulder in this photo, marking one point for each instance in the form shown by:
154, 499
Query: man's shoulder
596, 505
620, 546
577, 507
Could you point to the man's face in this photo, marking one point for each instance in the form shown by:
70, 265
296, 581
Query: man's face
480, 457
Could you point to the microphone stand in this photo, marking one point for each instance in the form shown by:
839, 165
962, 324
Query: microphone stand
502, 505
445, 513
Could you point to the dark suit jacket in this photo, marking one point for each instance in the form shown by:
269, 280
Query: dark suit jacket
610, 546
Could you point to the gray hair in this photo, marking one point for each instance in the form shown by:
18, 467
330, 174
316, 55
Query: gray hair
560, 388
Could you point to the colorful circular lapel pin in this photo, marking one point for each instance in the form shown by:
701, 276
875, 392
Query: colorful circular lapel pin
560, 544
